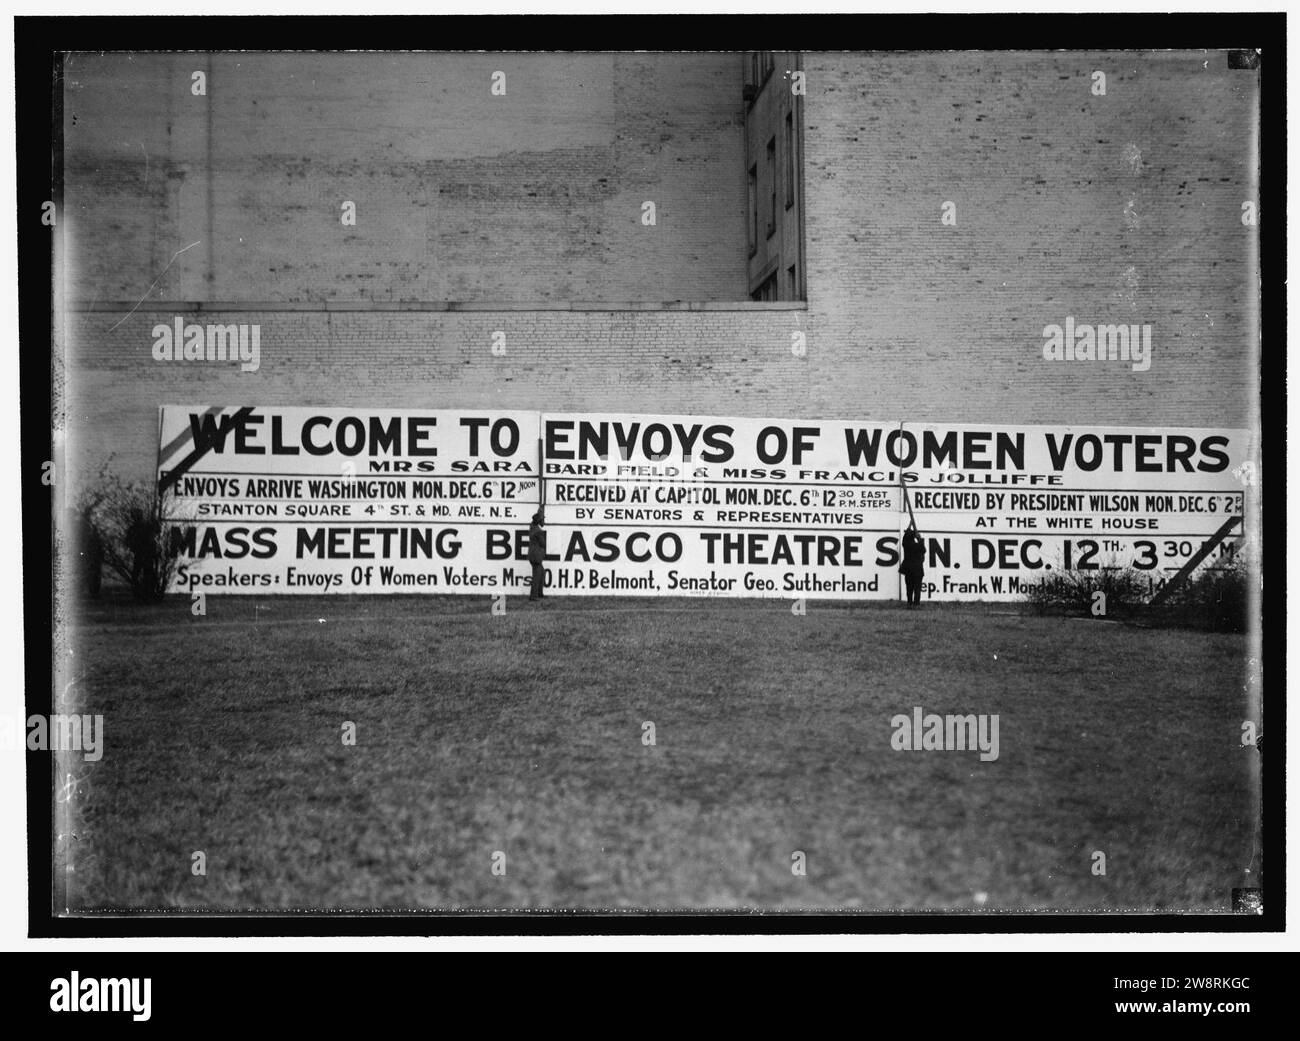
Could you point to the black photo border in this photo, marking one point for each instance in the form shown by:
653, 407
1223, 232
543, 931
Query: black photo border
40, 40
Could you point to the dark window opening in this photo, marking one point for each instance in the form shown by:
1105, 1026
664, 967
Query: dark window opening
753, 210
792, 282
771, 183
789, 160
767, 291
759, 66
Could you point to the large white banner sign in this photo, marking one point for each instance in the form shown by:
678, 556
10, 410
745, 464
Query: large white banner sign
314, 500
310, 500
1003, 507
753, 507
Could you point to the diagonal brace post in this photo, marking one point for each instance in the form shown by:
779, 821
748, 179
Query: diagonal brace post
1207, 547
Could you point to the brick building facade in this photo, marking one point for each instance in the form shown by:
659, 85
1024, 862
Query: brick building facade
524, 213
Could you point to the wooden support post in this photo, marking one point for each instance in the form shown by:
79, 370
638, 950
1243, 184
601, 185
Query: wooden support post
541, 483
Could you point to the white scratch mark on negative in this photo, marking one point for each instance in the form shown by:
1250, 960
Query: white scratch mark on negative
152, 284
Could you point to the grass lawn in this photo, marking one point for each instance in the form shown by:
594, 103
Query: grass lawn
522, 733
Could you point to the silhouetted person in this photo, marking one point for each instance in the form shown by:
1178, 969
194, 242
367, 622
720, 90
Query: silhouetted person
537, 554
142, 541
913, 566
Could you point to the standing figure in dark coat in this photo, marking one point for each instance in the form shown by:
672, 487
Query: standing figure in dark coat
536, 555
913, 566
142, 540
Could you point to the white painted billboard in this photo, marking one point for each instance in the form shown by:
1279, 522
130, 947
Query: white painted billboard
311, 500
296, 500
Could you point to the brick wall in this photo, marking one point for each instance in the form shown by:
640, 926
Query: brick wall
707, 361
1122, 208
460, 194
1117, 209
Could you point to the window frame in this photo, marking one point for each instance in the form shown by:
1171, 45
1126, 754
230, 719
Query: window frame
770, 285
751, 223
771, 168
791, 165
